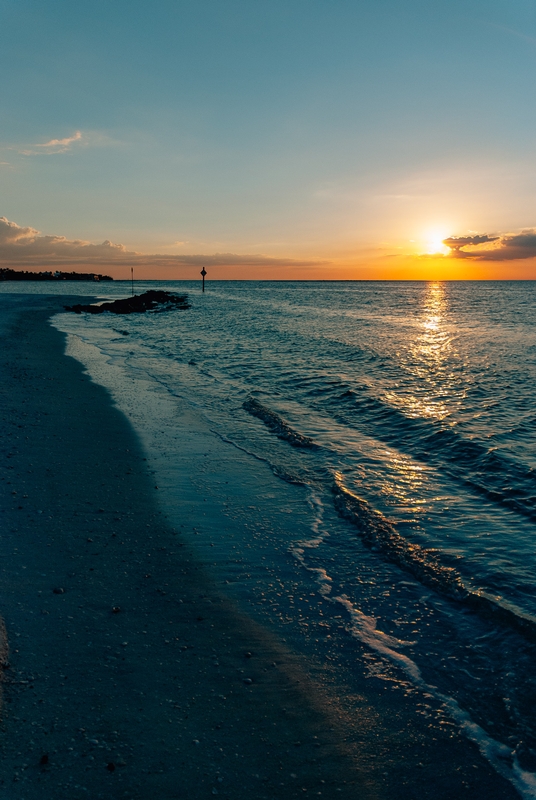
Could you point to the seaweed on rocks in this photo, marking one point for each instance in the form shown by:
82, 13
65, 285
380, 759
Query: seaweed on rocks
153, 300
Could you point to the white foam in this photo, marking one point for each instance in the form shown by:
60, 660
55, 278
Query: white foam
364, 628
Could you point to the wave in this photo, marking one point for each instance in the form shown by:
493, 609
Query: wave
485, 469
364, 628
380, 534
277, 424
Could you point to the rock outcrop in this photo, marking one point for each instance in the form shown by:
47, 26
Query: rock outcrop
153, 300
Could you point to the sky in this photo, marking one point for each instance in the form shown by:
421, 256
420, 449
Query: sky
269, 139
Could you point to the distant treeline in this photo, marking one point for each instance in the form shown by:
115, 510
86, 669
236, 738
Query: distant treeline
16, 275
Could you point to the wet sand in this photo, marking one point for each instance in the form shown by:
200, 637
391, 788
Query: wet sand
125, 674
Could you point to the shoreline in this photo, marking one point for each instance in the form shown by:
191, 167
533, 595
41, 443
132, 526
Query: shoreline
138, 697
176, 693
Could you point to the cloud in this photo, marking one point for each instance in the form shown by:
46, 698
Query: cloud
11, 232
62, 142
508, 247
456, 242
54, 145
25, 248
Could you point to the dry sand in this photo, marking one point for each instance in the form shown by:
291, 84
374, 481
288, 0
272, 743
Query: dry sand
125, 675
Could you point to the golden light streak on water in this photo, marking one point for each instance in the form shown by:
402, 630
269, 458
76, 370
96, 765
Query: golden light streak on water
429, 358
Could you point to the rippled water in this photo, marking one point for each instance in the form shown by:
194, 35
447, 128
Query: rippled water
399, 421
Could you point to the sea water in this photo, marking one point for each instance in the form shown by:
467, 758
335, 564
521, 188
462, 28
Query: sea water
364, 454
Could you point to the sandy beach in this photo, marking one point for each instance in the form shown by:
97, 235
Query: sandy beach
126, 672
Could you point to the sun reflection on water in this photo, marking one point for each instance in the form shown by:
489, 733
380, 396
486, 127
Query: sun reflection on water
431, 362
404, 486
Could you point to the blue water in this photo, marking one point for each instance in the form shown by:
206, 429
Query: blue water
401, 418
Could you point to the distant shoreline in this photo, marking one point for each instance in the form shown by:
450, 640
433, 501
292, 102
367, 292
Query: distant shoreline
15, 275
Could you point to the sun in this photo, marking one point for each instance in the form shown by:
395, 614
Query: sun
433, 242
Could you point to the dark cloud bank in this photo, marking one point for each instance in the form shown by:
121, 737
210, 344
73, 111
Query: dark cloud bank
484, 247
24, 248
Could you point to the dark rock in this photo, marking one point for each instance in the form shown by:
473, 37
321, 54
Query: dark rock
58, 591
44, 759
153, 300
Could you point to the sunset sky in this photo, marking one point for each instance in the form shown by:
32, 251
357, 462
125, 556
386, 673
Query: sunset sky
269, 139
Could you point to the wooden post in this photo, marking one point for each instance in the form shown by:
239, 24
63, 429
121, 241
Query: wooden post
132, 280
203, 273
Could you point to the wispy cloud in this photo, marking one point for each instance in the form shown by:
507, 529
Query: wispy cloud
513, 32
62, 143
54, 146
25, 248
486, 247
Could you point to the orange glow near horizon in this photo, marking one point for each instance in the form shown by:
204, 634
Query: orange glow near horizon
379, 264
426, 267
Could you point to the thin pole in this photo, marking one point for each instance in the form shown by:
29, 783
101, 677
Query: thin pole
203, 273
132, 280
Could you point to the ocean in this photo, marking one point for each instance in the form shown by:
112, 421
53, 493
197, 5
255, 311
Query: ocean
364, 454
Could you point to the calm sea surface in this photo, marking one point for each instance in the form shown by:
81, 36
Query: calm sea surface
386, 434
